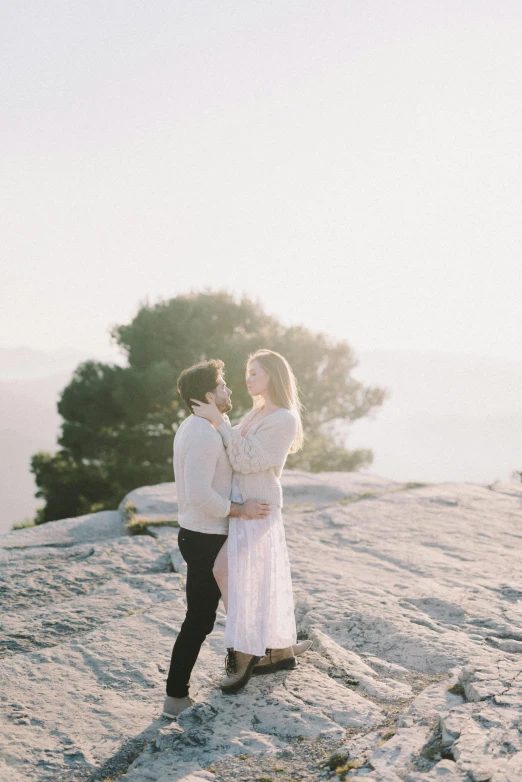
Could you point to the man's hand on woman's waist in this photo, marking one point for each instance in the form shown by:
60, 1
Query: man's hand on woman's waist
251, 509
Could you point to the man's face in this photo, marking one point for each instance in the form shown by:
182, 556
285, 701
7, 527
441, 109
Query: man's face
222, 395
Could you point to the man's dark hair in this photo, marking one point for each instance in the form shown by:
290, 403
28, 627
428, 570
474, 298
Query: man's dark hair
196, 381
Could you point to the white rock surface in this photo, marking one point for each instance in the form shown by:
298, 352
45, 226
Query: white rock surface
83, 529
158, 502
412, 597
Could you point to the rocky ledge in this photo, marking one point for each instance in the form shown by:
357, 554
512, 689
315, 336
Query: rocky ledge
411, 595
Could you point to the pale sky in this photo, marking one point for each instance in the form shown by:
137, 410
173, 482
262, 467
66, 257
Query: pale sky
356, 165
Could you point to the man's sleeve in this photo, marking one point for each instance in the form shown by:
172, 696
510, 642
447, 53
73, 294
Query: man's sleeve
200, 465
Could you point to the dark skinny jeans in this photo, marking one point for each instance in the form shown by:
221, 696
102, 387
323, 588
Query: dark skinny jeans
199, 551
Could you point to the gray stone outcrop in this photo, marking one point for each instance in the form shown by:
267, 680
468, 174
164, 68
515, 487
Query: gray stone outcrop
412, 596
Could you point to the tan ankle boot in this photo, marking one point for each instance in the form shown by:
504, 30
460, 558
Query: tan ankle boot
276, 660
239, 668
281, 659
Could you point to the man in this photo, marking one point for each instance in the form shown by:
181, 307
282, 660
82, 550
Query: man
203, 480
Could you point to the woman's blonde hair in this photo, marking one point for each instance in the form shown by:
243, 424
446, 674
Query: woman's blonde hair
282, 386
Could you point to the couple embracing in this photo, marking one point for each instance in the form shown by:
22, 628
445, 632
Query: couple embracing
231, 534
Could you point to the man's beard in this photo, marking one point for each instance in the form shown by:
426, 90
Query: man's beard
224, 407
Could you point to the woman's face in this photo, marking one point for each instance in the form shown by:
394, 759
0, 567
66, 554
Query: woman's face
257, 379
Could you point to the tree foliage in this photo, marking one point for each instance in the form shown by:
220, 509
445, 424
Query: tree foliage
118, 422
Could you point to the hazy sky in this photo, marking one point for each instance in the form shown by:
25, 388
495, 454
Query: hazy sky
356, 165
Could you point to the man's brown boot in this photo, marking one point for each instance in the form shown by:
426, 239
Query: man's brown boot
239, 668
276, 660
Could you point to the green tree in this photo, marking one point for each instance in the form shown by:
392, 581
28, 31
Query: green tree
119, 421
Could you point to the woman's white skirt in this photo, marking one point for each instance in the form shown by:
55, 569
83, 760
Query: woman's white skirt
260, 599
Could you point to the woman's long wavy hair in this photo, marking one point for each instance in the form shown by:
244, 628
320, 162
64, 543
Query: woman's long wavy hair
282, 386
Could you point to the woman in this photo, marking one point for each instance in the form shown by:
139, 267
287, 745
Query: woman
252, 569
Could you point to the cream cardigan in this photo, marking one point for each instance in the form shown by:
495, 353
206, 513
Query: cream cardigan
203, 477
260, 456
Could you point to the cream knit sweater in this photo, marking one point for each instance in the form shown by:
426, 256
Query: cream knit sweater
259, 457
203, 477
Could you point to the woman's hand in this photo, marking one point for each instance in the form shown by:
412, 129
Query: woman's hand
208, 411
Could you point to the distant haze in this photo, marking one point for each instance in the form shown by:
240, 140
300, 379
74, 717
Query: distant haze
449, 418
354, 164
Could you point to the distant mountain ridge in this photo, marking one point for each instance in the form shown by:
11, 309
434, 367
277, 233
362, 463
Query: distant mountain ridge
450, 417
444, 382
30, 385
